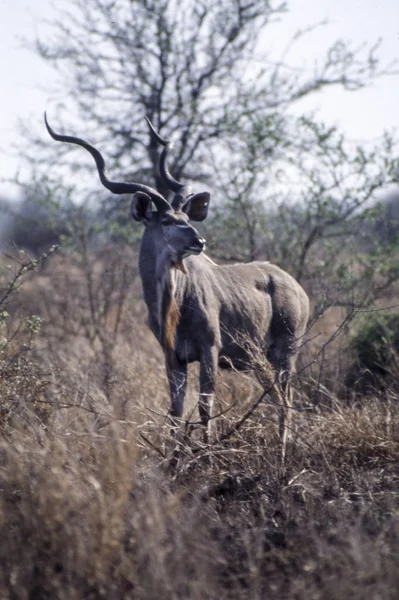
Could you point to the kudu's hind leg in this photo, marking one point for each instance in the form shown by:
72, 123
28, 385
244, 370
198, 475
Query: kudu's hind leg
285, 413
283, 361
208, 370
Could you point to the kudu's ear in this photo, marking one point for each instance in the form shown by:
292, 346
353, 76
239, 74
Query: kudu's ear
141, 207
196, 208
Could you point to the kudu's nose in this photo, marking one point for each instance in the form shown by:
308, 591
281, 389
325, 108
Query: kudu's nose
200, 242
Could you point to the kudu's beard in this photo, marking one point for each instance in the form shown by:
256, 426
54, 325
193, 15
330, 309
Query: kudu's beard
176, 258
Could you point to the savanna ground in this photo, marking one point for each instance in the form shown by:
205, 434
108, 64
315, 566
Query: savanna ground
89, 507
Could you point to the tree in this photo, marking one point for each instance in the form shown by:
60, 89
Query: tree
33, 221
192, 67
200, 72
321, 211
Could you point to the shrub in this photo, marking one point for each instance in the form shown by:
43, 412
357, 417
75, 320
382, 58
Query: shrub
376, 343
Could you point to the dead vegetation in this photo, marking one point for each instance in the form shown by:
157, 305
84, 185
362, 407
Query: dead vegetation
90, 508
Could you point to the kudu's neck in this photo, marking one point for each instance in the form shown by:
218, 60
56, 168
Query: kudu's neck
168, 311
160, 276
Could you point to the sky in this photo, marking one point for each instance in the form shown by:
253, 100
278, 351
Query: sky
27, 81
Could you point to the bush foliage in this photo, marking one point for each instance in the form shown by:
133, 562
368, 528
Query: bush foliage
376, 342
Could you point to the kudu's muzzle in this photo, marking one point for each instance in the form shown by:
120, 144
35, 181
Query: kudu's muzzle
198, 245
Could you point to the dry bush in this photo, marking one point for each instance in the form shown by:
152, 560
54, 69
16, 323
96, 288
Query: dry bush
94, 513
92, 506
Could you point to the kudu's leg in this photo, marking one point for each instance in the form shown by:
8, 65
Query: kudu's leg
177, 377
283, 361
285, 412
208, 370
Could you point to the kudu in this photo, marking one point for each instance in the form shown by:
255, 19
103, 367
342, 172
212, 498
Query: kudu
201, 311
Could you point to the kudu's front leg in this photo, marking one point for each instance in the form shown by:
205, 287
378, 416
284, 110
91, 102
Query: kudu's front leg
177, 377
208, 370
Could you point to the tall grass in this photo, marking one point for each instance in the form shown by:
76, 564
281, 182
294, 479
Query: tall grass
90, 506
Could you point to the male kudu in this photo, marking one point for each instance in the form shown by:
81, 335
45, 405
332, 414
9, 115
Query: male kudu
200, 311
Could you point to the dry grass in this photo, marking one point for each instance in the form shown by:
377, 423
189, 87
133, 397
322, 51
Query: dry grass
90, 508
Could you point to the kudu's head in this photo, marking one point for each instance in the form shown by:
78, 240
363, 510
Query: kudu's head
168, 225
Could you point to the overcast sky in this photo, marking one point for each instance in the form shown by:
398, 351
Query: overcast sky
26, 80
